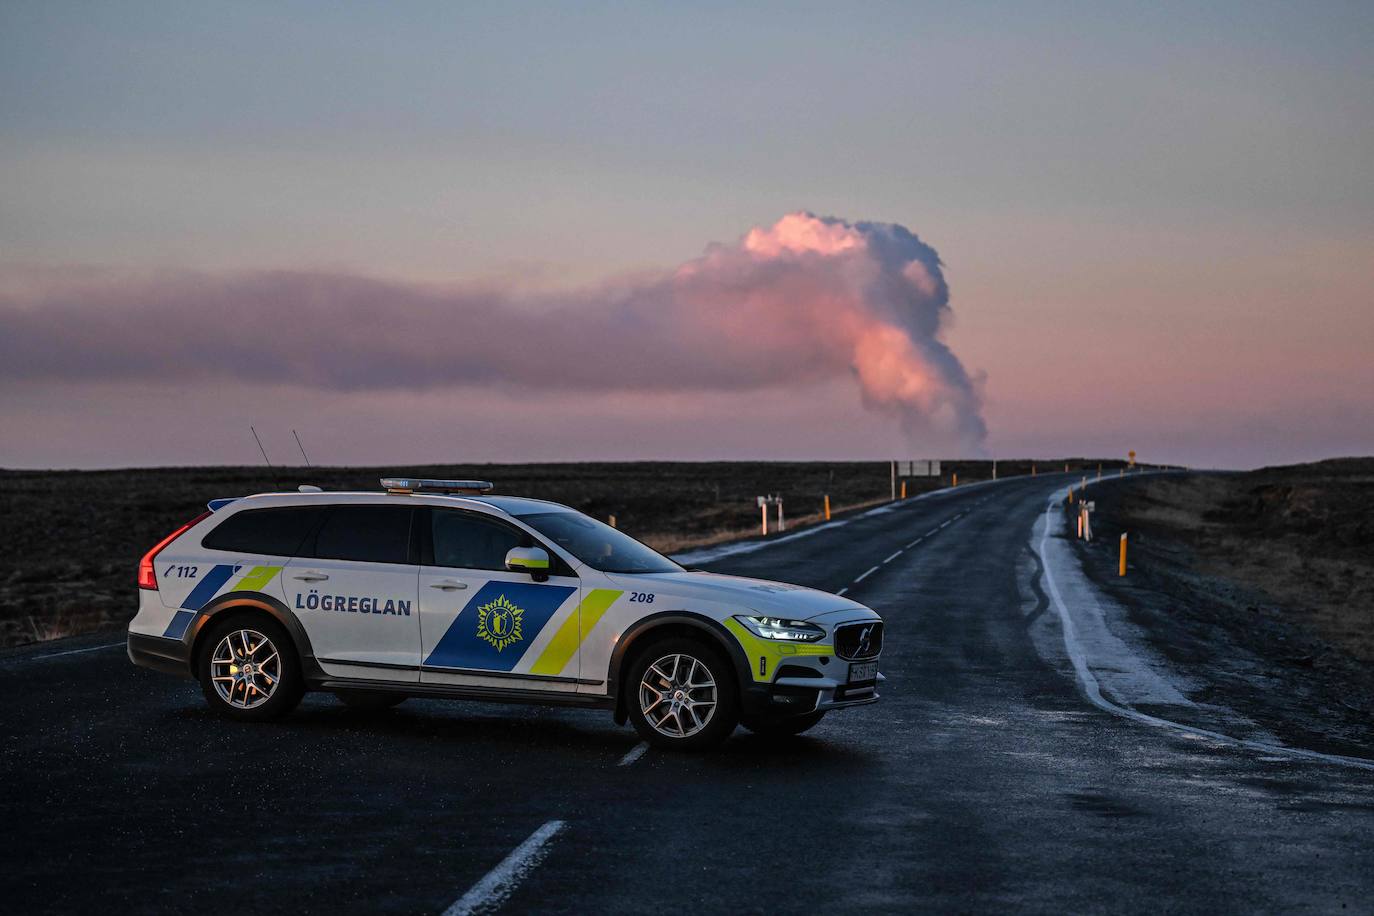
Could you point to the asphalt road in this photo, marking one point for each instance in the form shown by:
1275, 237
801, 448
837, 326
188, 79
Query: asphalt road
983, 780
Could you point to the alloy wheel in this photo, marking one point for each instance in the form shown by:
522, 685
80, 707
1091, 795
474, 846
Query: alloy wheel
677, 695
245, 669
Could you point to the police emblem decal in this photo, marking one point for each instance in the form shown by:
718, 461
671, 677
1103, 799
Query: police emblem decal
500, 623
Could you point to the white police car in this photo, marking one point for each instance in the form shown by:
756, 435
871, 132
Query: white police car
435, 589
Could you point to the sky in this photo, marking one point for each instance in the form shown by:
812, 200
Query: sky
506, 232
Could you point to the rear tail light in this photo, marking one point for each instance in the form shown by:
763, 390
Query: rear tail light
147, 576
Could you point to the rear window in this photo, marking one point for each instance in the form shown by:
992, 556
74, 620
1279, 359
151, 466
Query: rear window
368, 534
276, 532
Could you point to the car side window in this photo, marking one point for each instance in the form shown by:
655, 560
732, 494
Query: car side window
470, 541
278, 532
367, 534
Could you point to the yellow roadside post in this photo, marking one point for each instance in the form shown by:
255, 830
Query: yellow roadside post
1070, 496
827, 507
1121, 571
612, 521
1080, 523
903, 489
956, 479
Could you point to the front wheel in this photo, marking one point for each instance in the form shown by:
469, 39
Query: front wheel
248, 669
781, 726
682, 695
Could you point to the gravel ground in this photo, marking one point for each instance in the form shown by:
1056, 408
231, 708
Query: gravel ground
1216, 581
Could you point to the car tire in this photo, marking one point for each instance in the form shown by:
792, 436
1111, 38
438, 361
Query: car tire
369, 700
272, 684
681, 695
781, 726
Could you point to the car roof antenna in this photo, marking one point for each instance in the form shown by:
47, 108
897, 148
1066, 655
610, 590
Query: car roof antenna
273, 471
302, 448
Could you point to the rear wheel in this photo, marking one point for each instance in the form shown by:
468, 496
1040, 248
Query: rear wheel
248, 669
781, 726
369, 700
682, 695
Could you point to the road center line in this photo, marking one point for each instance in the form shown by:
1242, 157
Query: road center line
633, 754
111, 645
895, 555
914, 543
866, 575
492, 890
842, 591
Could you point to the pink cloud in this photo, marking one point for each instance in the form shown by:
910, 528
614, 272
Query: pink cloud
803, 301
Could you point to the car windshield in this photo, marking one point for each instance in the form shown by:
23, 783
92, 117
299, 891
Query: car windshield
599, 546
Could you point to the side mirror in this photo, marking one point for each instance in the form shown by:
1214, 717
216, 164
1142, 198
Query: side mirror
532, 560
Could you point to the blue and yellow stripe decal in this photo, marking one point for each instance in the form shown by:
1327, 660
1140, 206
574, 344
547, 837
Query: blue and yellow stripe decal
208, 588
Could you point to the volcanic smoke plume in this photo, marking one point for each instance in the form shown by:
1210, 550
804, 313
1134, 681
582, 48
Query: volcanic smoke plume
804, 300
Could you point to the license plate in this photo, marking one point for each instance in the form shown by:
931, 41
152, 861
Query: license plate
863, 671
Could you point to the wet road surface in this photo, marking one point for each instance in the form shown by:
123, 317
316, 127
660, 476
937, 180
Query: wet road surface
982, 781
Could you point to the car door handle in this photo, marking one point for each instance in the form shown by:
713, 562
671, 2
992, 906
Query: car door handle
311, 576
448, 585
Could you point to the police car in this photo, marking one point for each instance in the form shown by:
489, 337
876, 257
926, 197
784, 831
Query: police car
434, 588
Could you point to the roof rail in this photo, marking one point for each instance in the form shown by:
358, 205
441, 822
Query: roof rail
406, 485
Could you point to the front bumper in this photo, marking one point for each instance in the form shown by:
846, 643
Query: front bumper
801, 695
170, 656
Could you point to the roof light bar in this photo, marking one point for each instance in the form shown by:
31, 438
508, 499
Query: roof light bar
402, 485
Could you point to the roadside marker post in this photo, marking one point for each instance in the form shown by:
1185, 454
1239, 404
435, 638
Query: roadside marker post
612, 521
903, 489
956, 479
827, 507
1121, 571
764, 502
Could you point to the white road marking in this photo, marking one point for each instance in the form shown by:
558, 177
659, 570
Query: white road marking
866, 575
842, 591
914, 543
633, 754
895, 555
110, 645
492, 890
1087, 681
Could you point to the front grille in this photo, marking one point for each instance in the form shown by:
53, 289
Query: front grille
859, 640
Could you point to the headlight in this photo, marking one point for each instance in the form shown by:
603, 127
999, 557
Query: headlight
777, 628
